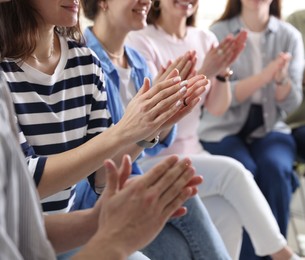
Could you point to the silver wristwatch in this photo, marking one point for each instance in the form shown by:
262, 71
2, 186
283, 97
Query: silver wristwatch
146, 144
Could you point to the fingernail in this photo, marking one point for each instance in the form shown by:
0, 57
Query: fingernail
183, 83
178, 104
183, 90
177, 79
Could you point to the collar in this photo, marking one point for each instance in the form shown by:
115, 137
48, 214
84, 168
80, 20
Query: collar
93, 43
236, 25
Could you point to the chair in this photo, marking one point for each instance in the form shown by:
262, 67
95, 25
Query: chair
298, 214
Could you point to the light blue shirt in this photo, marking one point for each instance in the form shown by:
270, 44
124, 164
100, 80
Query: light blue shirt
139, 70
279, 36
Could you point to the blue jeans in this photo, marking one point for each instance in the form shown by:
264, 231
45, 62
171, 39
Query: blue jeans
270, 159
192, 236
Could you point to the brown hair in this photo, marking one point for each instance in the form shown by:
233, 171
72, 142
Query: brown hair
155, 11
90, 8
19, 29
233, 8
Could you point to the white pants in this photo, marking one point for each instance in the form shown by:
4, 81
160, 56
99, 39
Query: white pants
137, 256
234, 201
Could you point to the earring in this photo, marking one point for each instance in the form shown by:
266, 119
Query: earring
156, 5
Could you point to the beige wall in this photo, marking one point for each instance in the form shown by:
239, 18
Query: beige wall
211, 9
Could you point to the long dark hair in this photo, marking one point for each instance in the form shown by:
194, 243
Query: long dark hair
90, 8
155, 11
19, 29
233, 8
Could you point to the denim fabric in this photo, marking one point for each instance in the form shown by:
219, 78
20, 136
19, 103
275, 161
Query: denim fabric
192, 236
204, 245
270, 160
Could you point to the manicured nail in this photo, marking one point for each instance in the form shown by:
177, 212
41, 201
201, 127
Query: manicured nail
183, 90
178, 104
183, 83
177, 79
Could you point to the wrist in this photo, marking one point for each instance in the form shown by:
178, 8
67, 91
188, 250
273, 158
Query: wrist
282, 82
225, 77
149, 144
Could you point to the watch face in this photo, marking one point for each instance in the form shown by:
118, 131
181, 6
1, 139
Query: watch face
146, 144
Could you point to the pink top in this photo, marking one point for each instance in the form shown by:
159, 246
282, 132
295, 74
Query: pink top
158, 48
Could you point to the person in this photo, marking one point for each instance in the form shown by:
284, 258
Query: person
156, 196
192, 236
266, 87
58, 90
296, 120
229, 191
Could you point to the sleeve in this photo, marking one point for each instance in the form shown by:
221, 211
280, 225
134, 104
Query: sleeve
35, 163
100, 117
295, 71
8, 249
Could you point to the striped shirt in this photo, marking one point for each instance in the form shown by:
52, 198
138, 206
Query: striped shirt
58, 112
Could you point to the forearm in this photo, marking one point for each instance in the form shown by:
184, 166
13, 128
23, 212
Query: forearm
133, 150
70, 230
282, 90
219, 98
66, 169
101, 248
246, 88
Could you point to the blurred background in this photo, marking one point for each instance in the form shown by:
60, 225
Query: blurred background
211, 10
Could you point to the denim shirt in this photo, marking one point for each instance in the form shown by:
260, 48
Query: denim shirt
139, 70
278, 37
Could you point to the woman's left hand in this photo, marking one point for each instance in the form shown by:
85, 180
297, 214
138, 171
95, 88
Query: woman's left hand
219, 58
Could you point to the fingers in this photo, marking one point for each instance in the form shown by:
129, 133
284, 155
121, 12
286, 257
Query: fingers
154, 174
174, 179
195, 181
179, 212
112, 178
125, 170
176, 203
145, 87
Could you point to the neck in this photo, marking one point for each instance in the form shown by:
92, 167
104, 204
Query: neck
255, 21
112, 41
46, 47
173, 26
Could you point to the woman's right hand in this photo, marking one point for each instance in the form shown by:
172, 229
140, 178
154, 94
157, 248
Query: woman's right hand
184, 64
277, 68
153, 107
140, 208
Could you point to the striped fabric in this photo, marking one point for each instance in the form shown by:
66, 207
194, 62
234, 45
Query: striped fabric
58, 112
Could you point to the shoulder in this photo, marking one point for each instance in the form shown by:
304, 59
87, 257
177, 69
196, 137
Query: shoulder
284, 28
222, 28
201, 32
80, 54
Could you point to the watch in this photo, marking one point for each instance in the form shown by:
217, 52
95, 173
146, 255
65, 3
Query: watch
226, 77
147, 144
